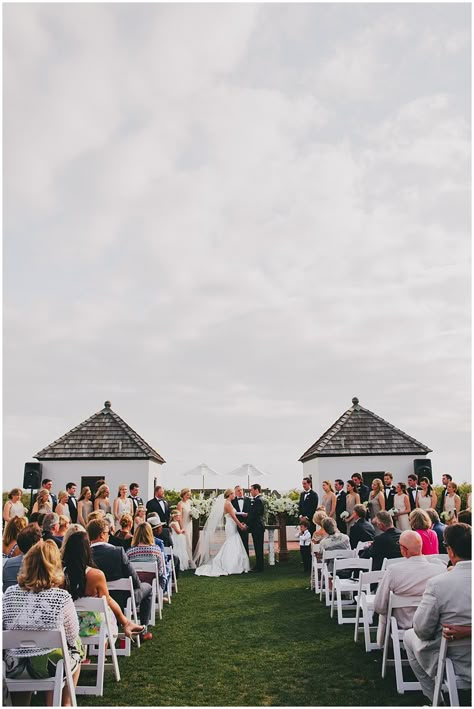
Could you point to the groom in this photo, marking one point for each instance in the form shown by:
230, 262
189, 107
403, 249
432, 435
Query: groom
256, 524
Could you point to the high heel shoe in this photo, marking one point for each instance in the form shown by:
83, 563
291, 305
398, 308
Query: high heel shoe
131, 630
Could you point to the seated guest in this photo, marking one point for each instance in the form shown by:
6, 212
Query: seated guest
420, 522
438, 527
162, 537
465, 517
124, 534
446, 601
10, 535
64, 523
334, 539
385, 545
408, 578
14, 506
34, 519
319, 532
362, 530
51, 528
114, 563
38, 601
143, 548
140, 515
26, 539
96, 514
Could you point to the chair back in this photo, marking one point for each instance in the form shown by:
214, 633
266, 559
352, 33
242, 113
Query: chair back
91, 603
399, 601
338, 554
34, 639
344, 564
367, 578
388, 562
123, 584
437, 558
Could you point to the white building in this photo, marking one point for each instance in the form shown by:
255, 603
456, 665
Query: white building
362, 442
102, 446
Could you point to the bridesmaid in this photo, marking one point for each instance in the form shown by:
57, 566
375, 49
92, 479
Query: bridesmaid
43, 503
426, 498
102, 501
452, 502
123, 504
84, 506
376, 498
352, 499
14, 506
186, 522
402, 503
62, 508
329, 499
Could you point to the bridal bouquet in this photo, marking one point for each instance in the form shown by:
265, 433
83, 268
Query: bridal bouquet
344, 515
447, 515
393, 511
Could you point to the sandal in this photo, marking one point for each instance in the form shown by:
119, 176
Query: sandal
131, 629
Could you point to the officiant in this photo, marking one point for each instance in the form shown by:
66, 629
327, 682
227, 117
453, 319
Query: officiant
241, 505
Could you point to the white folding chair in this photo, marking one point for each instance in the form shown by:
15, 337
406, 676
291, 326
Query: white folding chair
346, 585
360, 546
156, 602
172, 581
388, 562
392, 631
41, 639
445, 675
365, 607
126, 584
326, 575
316, 567
437, 558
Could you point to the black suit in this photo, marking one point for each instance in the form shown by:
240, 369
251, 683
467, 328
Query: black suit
389, 493
361, 531
244, 534
384, 546
440, 503
136, 501
72, 504
114, 563
340, 508
154, 505
364, 493
307, 506
256, 525
412, 492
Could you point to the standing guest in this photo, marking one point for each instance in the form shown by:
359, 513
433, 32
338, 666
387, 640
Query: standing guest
256, 524
352, 499
329, 498
426, 498
27, 538
180, 547
47, 484
101, 501
445, 479
140, 516
385, 545
135, 497
64, 523
143, 548
452, 502
334, 539
402, 505
340, 504
308, 502
241, 506
42, 504
361, 489
446, 602
72, 502
389, 490
376, 498
10, 536
305, 545
412, 490
319, 532
468, 500
39, 602
438, 527
62, 508
51, 528
14, 507
84, 505
362, 530
125, 531
122, 503
186, 521
159, 505
420, 522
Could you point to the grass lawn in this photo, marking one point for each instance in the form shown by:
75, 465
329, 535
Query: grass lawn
251, 640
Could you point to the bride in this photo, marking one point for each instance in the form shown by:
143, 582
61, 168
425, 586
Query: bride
231, 557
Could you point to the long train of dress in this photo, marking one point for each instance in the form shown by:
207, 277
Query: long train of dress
231, 557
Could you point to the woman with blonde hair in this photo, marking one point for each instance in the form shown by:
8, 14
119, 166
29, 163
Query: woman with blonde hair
178, 537
125, 531
143, 548
38, 601
452, 503
14, 507
62, 508
102, 501
64, 523
329, 499
140, 516
84, 505
122, 503
10, 535
186, 522
376, 498
43, 502
420, 522
318, 518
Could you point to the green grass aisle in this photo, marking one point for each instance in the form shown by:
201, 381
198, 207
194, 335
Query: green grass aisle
251, 640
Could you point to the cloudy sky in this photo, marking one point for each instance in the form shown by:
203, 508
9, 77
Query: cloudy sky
231, 219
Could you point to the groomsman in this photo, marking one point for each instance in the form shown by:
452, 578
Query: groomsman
242, 505
412, 489
159, 505
134, 496
389, 491
71, 501
362, 489
308, 503
340, 504
445, 479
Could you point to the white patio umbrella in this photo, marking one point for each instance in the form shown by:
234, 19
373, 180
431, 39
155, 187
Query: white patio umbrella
202, 469
251, 471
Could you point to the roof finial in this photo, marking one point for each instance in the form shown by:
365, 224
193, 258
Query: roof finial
107, 404
355, 400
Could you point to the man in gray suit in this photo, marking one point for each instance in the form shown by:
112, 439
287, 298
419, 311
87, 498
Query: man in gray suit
446, 601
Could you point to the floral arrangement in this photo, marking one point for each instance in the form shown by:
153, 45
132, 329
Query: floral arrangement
393, 511
447, 515
344, 515
366, 504
277, 505
201, 506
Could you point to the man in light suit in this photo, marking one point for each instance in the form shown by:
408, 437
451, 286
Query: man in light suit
446, 602
241, 505
340, 504
408, 578
308, 503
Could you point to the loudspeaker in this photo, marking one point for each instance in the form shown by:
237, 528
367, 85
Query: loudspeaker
422, 468
32, 476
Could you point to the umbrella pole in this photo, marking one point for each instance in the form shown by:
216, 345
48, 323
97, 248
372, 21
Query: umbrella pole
248, 482
203, 482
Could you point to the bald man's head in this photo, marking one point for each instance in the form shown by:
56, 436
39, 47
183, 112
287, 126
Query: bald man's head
410, 544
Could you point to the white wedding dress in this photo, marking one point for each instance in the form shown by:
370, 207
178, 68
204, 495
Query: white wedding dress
231, 557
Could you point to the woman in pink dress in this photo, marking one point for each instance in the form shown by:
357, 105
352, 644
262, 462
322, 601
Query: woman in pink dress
421, 523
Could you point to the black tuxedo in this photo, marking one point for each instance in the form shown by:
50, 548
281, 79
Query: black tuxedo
136, 501
307, 506
154, 505
389, 494
412, 492
114, 563
361, 531
440, 503
384, 546
244, 534
72, 504
340, 508
364, 493
256, 524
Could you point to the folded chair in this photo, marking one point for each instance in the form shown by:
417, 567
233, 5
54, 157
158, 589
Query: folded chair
365, 607
392, 631
346, 585
445, 675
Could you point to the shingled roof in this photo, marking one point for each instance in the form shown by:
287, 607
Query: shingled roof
361, 432
102, 436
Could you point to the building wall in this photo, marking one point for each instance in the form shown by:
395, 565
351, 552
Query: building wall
343, 467
115, 473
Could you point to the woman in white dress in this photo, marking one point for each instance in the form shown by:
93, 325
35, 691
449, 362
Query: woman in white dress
426, 498
186, 521
452, 502
178, 537
231, 557
123, 504
402, 504
62, 508
14, 507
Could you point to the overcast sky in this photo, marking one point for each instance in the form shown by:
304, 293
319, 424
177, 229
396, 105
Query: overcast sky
231, 219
